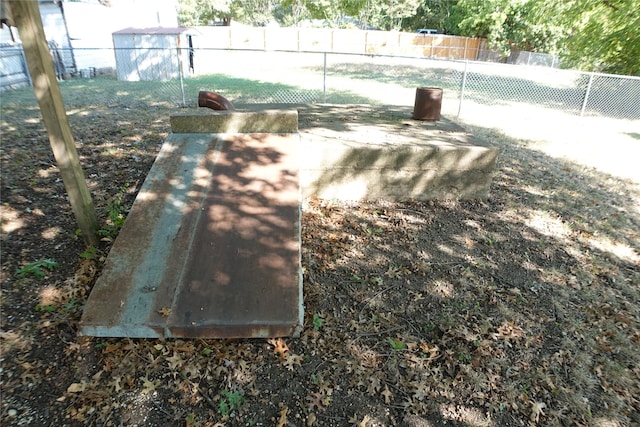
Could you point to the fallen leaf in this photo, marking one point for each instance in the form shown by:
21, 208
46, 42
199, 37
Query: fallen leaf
292, 360
422, 391
311, 419
282, 421
318, 402
174, 361
76, 388
388, 396
279, 347
115, 383
148, 386
508, 330
374, 385
536, 411
165, 311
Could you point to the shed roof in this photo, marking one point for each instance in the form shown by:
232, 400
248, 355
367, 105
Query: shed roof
156, 30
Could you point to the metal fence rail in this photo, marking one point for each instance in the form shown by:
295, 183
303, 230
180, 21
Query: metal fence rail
171, 78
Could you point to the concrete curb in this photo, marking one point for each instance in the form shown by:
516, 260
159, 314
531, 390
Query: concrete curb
210, 121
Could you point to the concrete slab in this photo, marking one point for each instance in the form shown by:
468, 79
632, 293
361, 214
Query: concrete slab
260, 121
211, 247
354, 152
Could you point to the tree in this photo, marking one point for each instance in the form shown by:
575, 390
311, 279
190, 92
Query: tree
434, 14
592, 35
508, 24
200, 12
397, 10
388, 14
253, 12
188, 14
601, 35
488, 19
293, 12
329, 10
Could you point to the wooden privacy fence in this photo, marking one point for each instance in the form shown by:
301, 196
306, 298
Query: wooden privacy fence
339, 41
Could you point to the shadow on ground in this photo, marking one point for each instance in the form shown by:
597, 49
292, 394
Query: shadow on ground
519, 309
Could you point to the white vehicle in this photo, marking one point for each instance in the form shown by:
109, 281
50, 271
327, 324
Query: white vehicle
428, 31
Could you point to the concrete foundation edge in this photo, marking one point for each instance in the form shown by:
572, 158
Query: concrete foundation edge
265, 121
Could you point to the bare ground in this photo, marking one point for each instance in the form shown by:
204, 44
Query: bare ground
522, 309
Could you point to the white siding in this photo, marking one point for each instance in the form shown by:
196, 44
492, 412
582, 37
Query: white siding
149, 56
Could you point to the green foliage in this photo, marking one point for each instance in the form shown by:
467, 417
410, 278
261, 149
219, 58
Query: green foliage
393, 12
116, 216
384, 14
601, 35
46, 308
70, 305
67, 307
200, 12
89, 253
434, 14
464, 357
506, 24
317, 322
591, 35
396, 344
429, 328
37, 268
188, 13
292, 12
253, 12
115, 221
329, 10
315, 379
229, 402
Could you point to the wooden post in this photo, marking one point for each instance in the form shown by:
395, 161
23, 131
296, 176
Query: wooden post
26, 15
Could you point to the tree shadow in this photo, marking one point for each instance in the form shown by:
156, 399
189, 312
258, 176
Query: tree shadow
214, 234
116, 151
529, 296
551, 255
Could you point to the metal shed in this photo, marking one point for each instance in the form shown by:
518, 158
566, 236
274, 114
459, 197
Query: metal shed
159, 53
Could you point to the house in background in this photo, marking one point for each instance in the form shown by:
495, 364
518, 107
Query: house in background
91, 26
80, 34
13, 70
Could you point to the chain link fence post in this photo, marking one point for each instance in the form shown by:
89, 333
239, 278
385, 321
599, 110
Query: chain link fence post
181, 74
586, 95
324, 79
462, 86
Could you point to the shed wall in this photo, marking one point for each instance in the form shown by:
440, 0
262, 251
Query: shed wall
149, 56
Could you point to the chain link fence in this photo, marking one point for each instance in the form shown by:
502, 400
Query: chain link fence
534, 58
169, 77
